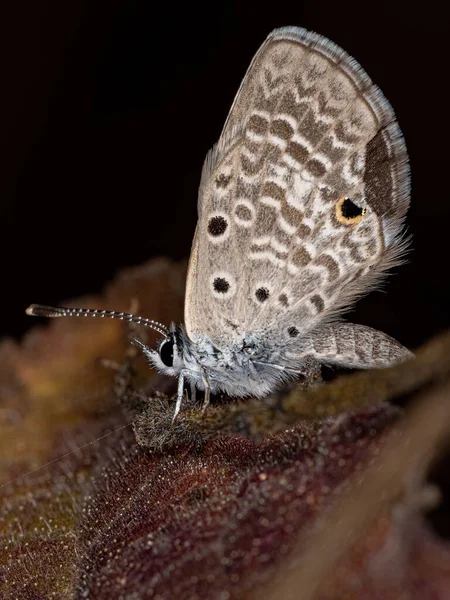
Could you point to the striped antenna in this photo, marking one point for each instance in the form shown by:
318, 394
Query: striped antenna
39, 310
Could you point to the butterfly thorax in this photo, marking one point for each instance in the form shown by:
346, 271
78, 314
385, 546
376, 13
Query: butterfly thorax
246, 367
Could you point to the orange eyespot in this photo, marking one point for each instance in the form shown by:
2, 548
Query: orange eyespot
349, 213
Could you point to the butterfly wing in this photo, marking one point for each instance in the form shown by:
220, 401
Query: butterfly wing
302, 199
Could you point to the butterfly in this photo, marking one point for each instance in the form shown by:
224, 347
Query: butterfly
300, 211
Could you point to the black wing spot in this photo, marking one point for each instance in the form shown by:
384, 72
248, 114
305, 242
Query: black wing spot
293, 331
262, 294
221, 285
217, 226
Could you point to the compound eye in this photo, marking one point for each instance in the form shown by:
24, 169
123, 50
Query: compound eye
166, 353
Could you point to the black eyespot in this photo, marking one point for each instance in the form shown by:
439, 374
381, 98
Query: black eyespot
166, 353
221, 285
293, 331
262, 294
348, 212
217, 225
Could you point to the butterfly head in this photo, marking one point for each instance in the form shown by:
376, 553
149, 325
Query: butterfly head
168, 358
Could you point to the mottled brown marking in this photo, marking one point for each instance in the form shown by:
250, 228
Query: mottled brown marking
273, 190
358, 273
315, 167
378, 175
282, 237
329, 194
325, 345
317, 73
272, 153
329, 149
303, 230
298, 152
337, 186
283, 299
348, 240
312, 129
243, 213
327, 261
279, 58
363, 343
266, 103
325, 108
344, 136
301, 257
282, 129
223, 180
288, 105
270, 77
255, 148
250, 191
310, 210
302, 89
258, 124
265, 217
291, 214
318, 302
263, 248
356, 253
251, 168
343, 341
338, 91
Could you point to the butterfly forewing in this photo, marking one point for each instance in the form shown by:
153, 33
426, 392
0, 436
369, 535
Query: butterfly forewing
301, 200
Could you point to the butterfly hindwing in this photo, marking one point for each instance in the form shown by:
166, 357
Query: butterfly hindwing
301, 200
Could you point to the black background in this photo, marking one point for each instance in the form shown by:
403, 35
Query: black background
110, 107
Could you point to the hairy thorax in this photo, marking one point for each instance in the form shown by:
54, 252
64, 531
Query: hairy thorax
248, 366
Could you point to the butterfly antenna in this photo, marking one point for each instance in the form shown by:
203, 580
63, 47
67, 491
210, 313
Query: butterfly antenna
40, 310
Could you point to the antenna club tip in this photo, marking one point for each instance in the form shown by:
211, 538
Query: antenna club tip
31, 310
39, 310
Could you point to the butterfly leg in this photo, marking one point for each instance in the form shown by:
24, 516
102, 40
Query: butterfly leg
311, 371
193, 392
207, 387
180, 390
